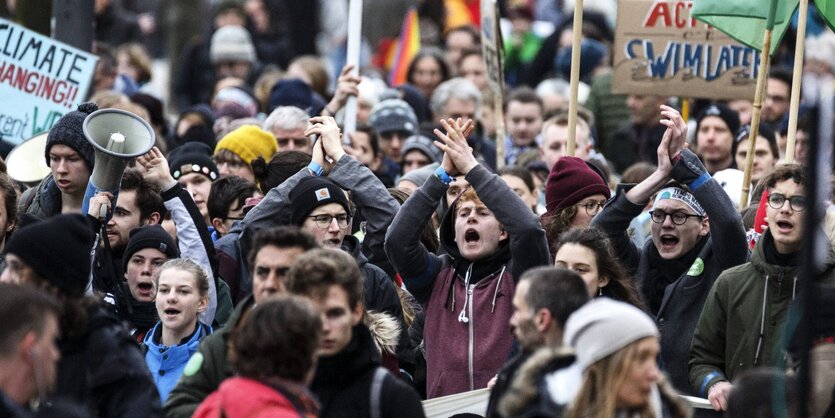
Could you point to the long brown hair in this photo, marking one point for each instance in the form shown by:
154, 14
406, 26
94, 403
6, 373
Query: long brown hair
621, 285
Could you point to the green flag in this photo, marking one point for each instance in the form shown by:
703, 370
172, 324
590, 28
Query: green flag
745, 20
827, 10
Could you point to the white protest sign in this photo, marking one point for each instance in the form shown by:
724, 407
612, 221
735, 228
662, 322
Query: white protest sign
41, 79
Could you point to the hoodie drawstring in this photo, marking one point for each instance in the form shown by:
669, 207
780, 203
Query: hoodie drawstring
462, 317
762, 323
496, 292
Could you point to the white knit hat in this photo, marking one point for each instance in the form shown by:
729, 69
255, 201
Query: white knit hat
604, 326
231, 43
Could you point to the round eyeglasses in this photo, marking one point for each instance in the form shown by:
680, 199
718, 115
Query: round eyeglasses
796, 203
678, 218
324, 221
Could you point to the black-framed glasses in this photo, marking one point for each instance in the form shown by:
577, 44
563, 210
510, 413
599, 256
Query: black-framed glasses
797, 203
324, 221
678, 218
592, 207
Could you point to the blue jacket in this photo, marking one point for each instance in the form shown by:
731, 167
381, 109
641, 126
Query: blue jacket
167, 363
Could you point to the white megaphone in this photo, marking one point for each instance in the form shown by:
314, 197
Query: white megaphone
117, 137
25, 162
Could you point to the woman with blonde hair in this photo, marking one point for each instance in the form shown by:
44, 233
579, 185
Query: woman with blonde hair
617, 347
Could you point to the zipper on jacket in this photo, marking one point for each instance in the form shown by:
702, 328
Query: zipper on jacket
470, 323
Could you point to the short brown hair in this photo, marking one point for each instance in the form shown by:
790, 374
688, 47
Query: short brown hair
30, 309
277, 338
783, 172
317, 270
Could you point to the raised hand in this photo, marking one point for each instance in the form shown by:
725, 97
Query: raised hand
677, 129
155, 169
454, 144
346, 86
329, 135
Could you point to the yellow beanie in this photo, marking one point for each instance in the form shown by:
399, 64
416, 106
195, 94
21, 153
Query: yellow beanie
249, 142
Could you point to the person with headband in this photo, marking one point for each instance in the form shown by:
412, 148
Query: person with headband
696, 234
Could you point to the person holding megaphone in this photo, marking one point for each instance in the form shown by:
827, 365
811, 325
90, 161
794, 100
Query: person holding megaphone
126, 262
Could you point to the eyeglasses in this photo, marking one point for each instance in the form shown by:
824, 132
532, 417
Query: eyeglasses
592, 207
678, 218
796, 203
324, 221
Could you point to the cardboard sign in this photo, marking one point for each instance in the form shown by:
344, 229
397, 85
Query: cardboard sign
492, 46
41, 79
660, 49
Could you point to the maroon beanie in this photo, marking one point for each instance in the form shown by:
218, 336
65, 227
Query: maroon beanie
570, 181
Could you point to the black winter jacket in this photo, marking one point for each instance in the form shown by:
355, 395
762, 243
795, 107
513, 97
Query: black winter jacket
343, 383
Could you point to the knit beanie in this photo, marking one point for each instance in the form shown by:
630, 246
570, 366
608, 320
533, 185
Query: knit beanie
419, 176
149, 236
249, 142
231, 43
393, 115
728, 115
58, 250
591, 54
68, 131
424, 145
192, 157
312, 192
570, 181
603, 326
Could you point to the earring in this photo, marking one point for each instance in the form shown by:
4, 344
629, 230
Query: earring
599, 291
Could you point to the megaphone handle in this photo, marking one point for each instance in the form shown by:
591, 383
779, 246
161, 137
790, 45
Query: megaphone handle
103, 213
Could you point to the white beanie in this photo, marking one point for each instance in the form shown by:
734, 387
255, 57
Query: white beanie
604, 326
231, 43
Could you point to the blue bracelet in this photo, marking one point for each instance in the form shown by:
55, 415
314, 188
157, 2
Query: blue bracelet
316, 168
443, 176
695, 184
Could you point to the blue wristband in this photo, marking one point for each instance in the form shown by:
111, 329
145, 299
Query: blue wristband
695, 184
316, 168
443, 176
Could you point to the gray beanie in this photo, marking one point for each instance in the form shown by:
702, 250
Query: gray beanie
231, 43
424, 145
604, 326
419, 176
393, 115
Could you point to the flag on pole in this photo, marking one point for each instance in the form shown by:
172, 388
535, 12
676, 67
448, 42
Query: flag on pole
407, 47
744, 20
826, 8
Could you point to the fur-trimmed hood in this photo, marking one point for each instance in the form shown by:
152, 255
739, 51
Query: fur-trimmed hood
385, 331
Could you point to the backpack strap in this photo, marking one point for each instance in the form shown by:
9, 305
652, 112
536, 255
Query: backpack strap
377, 391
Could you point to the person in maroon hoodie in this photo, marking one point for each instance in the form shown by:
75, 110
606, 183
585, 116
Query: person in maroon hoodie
490, 237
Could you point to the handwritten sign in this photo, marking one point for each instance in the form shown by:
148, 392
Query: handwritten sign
41, 79
492, 46
661, 49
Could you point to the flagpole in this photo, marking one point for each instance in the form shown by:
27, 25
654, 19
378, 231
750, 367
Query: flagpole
349, 124
797, 77
577, 30
758, 102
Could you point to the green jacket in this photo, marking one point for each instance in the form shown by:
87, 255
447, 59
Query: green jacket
728, 333
205, 369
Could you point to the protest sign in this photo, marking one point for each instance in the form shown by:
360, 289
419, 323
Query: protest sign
661, 49
41, 79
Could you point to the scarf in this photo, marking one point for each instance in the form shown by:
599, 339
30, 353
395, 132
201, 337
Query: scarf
663, 273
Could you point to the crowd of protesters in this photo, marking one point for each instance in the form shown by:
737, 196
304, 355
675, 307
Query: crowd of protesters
259, 262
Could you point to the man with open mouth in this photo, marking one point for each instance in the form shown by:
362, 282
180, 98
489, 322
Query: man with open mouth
490, 237
744, 318
696, 234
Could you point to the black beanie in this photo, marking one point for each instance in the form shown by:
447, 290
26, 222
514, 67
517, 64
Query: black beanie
728, 115
149, 236
68, 131
312, 192
192, 157
58, 249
